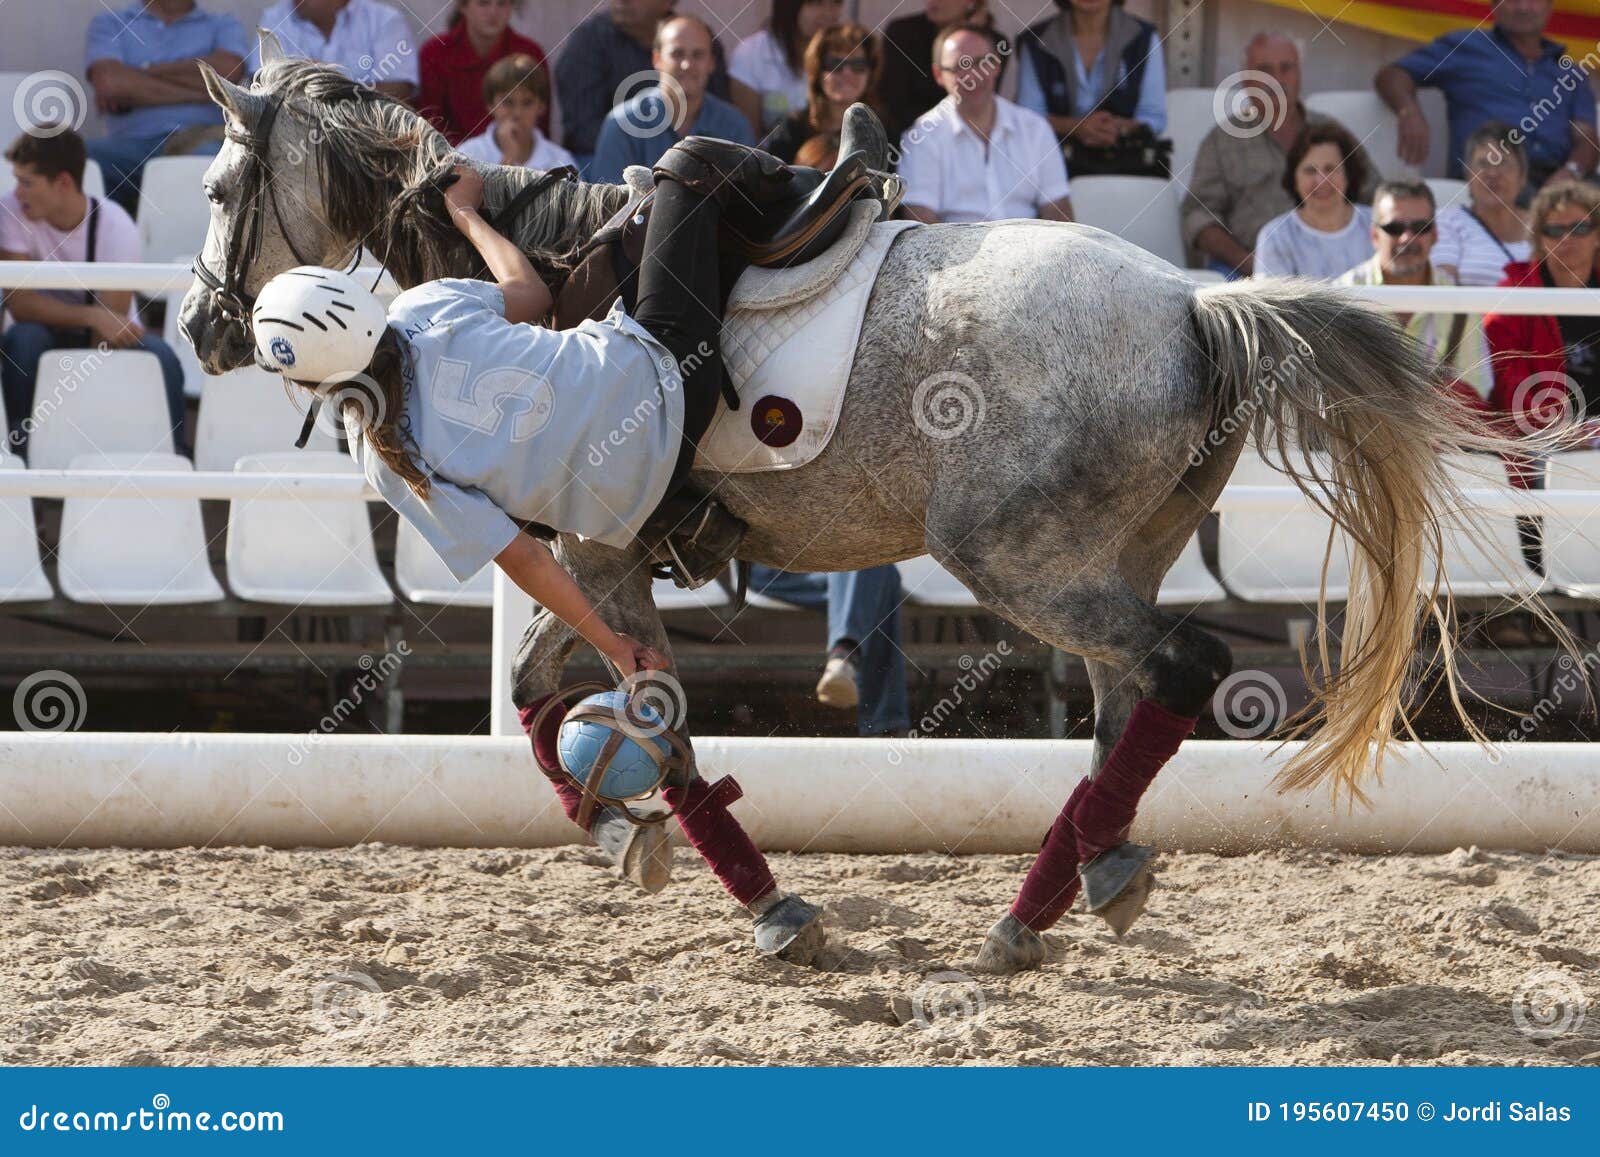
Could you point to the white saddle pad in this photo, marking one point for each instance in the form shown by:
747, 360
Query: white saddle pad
789, 359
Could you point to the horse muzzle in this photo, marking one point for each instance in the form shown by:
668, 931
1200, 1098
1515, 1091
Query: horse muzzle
220, 336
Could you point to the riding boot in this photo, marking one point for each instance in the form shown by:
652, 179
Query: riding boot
694, 536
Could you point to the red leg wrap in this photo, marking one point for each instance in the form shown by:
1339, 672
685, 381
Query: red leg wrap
1052, 883
1105, 812
544, 750
713, 832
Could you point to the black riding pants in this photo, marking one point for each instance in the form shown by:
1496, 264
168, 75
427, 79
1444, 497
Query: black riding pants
679, 300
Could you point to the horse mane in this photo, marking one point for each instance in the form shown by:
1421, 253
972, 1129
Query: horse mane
381, 164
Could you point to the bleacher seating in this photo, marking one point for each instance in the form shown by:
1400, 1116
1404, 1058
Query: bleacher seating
303, 553
1363, 112
1448, 191
1190, 582
1484, 556
91, 402
1571, 542
1144, 210
22, 576
1191, 115
125, 548
247, 411
1275, 557
173, 211
423, 578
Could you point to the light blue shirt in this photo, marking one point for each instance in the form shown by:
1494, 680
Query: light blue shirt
578, 429
638, 131
137, 38
1152, 106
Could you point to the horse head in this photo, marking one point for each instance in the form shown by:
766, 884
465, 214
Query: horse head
316, 167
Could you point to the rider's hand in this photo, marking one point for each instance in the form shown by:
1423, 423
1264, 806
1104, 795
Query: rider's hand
467, 192
629, 655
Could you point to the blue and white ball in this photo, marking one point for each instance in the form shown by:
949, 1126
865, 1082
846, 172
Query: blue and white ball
633, 771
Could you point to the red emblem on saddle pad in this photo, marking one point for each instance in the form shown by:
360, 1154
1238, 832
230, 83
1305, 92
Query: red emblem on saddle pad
776, 421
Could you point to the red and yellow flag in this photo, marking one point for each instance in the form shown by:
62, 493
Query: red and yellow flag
1576, 23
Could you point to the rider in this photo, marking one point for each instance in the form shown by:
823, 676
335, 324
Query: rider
437, 396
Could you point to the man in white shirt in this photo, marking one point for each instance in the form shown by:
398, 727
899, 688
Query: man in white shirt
976, 156
371, 41
48, 218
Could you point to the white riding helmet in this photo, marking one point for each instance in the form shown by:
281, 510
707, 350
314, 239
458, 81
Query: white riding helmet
317, 325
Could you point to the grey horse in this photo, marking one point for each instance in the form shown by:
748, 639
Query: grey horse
1044, 408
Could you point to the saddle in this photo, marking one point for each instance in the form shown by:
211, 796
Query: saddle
608, 266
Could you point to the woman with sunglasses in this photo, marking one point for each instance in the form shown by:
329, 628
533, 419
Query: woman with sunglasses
841, 68
1545, 366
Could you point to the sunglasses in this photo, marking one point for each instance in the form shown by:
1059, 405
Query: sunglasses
1401, 228
1576, 229
847, 63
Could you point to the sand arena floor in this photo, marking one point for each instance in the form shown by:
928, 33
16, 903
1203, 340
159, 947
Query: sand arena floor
387, 955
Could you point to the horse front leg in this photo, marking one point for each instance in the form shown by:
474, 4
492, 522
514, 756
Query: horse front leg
618, 584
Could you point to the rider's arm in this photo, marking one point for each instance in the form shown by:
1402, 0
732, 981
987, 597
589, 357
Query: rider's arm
529, 563
527, 297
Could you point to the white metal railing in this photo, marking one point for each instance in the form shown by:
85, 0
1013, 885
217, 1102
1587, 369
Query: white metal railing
151, 278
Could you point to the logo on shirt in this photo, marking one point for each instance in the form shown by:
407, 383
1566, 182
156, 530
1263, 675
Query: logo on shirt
282, 352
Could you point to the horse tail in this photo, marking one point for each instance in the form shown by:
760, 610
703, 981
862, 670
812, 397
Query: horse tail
1351, 409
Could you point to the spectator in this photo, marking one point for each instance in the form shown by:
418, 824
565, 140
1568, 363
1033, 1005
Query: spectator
766, 75
1122, 91
607, 60
820, 152
517, 92
977, 156
1477, 241
907, 85
1236, 185
1545, 365
841, 68
1326, 233
1403, 237
866, 667
1509, 73
639, 131
48, 218
371, 41
455, 64
141, 62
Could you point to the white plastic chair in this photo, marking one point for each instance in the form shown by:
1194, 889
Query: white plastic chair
303, 552
22, 576
246, 412
125, 548
173, 211
1191, 114
1276, 557
1143, 210
1190, 581
927, 584
1572, 541
1363, 112
423, 578
1447, 191
1484, 560
88, 402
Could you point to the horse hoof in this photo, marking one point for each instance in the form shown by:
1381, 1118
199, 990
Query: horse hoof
1117, 883
641, 853
1011, 946
791, 930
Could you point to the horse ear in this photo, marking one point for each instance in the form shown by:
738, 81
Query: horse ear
237, 102
269, 47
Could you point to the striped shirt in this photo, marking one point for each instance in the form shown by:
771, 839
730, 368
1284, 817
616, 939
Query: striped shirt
1477, 256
